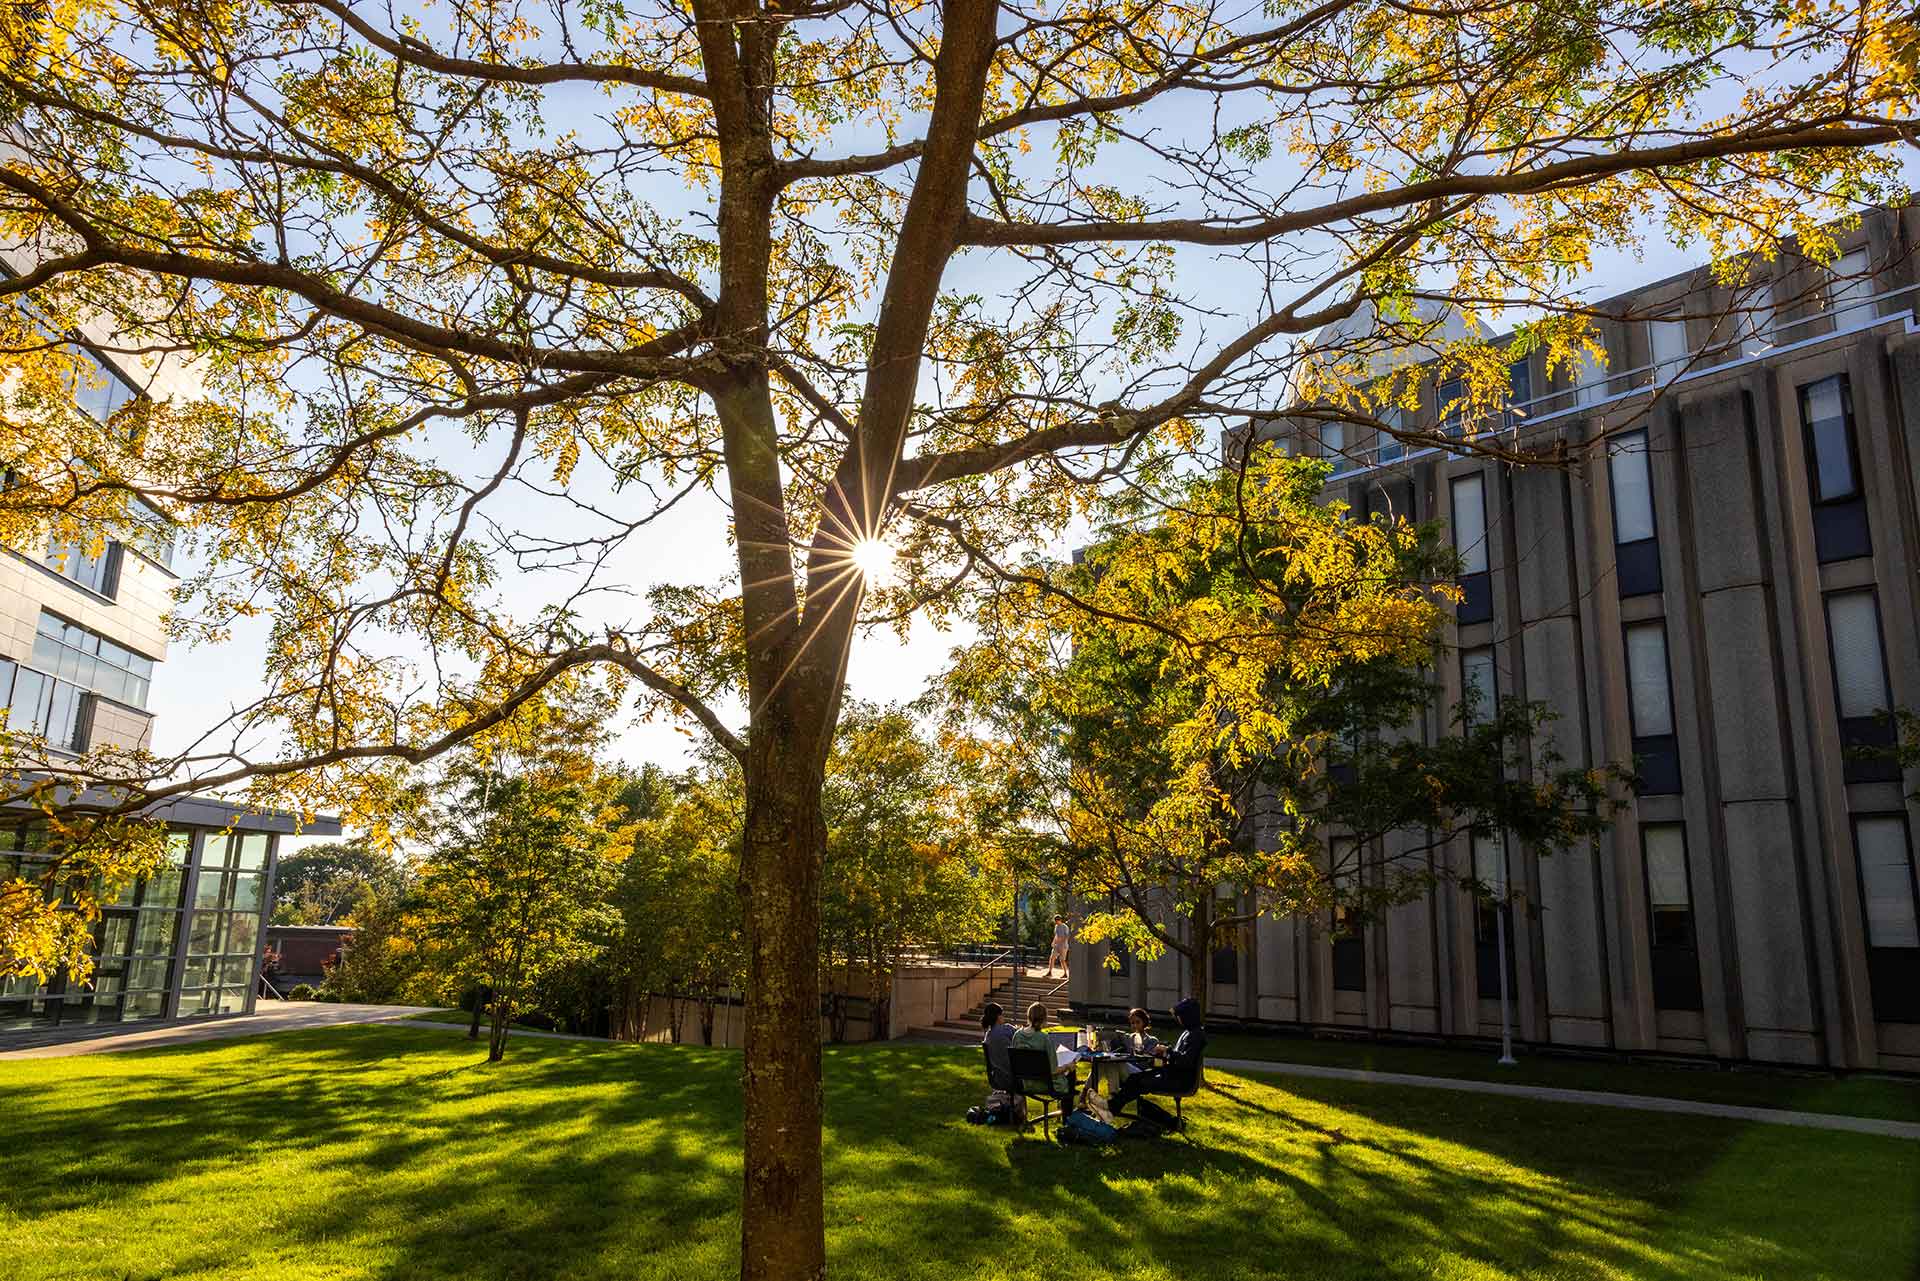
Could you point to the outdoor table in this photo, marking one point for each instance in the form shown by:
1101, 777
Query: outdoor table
1106, 1065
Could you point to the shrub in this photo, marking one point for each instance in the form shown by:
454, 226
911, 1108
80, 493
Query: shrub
304, 992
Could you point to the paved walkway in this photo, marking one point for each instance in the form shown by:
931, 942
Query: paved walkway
269, 1016
1592, 1098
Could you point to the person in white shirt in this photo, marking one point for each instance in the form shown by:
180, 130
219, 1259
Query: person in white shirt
1061, 937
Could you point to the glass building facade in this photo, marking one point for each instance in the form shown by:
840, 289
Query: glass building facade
184, 942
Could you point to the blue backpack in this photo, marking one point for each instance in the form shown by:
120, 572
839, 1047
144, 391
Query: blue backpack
1084, 1127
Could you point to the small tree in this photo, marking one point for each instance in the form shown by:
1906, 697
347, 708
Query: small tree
678, 898
528, 852
1216, 695
388, 958
899, 870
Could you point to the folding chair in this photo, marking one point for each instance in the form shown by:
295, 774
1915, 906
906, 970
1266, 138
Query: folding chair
1033, 1078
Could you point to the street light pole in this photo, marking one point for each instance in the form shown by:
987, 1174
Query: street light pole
1016, 946
1506, 1018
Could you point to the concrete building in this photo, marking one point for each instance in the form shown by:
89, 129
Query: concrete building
1723, 593
81, 644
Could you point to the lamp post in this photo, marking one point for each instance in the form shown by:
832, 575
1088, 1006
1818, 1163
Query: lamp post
1506, 1018
1016, 944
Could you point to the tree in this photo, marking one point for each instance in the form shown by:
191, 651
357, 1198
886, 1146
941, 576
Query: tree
389, 960
70, 867
679, 898
899, 868
527, 847
473, 299
1213, 700
322, 884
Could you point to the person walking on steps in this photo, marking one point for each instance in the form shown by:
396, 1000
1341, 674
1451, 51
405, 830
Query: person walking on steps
1061, 937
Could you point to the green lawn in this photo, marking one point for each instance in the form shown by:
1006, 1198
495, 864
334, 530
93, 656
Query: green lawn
395, 1151
1889, 1098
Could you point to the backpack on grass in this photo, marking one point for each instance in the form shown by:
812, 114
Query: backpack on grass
1087, 1129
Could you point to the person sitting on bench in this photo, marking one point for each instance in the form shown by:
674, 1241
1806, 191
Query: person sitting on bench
1180, 1074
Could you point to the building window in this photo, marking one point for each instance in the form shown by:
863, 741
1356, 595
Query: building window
1347, 934
1636, 546
1520, 381
223, 931
1479, 685
37, 704
1667, 340
1333, 441
1226, 957
1889, 891
1650, 705
1391, 449
133, 944
1589, 378
1833, 471
1470, 542
1226, 965
1490, 871
1850, 290
1379, 496
1675, 952
84, 656
100, 390
98, 574
1860, 688
1450, 406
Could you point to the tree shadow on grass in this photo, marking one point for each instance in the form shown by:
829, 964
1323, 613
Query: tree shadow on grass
546, 1165
390, 1152
1337, 1179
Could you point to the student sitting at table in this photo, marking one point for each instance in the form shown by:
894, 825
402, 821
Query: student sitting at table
1034, 1037
1181, 1071
1140, 1039
1135, 1040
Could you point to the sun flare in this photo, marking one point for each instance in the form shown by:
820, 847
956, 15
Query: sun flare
874, 559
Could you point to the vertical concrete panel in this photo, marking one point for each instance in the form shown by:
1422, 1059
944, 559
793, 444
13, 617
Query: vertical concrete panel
1571, 943
1413, 1004
1771, 949
1276, 950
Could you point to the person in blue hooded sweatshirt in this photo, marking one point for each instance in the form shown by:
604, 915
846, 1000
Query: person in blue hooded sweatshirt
1180, 1072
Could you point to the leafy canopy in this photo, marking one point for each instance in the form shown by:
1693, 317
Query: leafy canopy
1229, 695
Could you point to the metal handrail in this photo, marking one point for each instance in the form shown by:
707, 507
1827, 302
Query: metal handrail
946, 1001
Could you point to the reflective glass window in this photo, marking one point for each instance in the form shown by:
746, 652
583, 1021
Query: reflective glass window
1886, 881
1470, 523
1632, 480
1827, 407
1647, 680
1860, 675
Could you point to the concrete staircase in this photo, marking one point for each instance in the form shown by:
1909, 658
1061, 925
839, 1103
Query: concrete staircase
1035, 985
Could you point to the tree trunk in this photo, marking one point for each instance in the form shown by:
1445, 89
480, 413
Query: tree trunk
1200, 958
782, 1221
497, 1042
479, 1005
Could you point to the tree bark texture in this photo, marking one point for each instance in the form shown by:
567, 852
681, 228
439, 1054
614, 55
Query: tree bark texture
783, 1227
